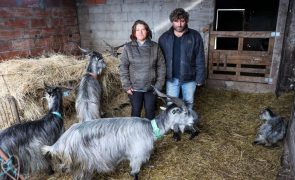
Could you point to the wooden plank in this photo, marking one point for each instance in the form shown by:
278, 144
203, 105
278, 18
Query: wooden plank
230, 60
239, 69
238, 78
258, 53
244, 34
241, 43
237, 56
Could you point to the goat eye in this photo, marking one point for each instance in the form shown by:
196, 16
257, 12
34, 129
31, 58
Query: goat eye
173, 111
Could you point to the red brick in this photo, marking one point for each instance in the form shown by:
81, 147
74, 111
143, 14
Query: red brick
42, 42
70, 21
57, 12
41, 13
38, 23
7, 3
96, 1
13, 54
37, 51
16, 23
29, 3
70, 12
74, 37
69, 3
101, 1
5, 45
22, 44
6, 13
56, 22
22, 12
10, 34
32, 33
45, 32
72, 29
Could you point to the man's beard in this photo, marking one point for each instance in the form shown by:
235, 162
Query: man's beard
180, 28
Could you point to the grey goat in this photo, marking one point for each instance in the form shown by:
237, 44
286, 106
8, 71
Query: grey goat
89, 92
272, 130
100, 145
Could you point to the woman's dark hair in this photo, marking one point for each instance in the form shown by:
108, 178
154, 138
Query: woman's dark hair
147, 28
179, 13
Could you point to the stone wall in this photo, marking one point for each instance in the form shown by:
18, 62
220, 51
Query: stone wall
111, 20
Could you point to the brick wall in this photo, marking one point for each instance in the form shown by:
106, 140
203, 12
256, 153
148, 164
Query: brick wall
32, 27
111, 20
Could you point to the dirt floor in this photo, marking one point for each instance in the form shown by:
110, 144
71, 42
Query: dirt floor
223, 149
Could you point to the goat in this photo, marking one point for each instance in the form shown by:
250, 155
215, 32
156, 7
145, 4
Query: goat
25, 140
272, 131
189, 129
89, 92
181, 128
100, 145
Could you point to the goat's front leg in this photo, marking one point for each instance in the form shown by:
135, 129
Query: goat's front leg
192, 131
176, 133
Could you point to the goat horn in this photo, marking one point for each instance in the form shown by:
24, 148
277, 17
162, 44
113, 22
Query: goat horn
83, 50
108, 44
175, 100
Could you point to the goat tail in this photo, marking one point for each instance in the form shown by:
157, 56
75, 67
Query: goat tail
47, 150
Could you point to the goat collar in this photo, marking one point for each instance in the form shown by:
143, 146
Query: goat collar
156, 129
57, 114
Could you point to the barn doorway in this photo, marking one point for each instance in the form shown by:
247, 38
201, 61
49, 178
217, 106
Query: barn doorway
242, 40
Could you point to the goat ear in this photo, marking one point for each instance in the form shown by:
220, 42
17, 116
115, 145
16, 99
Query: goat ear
45, 85
163, 108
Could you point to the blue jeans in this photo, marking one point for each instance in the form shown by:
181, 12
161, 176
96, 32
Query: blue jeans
188, 89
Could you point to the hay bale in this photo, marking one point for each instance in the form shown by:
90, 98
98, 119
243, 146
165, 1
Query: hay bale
8, 111
24, 78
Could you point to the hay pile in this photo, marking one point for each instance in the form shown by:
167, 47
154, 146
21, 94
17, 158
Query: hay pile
24, 78
222, 150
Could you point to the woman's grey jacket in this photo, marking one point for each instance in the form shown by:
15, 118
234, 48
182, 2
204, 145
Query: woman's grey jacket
142, 66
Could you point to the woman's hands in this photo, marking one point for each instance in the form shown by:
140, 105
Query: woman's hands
130, 91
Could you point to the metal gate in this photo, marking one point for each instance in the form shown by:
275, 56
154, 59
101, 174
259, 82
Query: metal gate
240, 55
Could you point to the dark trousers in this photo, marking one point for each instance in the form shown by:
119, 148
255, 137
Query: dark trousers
138, 99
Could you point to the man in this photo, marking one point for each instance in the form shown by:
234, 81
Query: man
183, 50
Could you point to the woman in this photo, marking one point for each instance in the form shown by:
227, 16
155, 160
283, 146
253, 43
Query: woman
142, 65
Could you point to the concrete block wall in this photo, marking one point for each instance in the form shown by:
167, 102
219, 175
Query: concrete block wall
111, 20
32, 27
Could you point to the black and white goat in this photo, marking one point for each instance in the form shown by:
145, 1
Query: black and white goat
272, 131
25, 140
100, 145
89, 92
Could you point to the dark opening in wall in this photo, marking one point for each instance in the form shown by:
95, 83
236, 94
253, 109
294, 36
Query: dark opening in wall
230, 19
246, 15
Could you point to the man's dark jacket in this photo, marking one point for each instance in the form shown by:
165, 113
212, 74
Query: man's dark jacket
192, 58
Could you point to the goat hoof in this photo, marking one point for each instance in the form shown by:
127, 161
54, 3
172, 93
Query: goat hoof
176, 137
193, 135
50, 171
254, 143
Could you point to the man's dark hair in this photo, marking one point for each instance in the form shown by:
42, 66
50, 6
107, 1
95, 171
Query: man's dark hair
179, 13
147, 28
